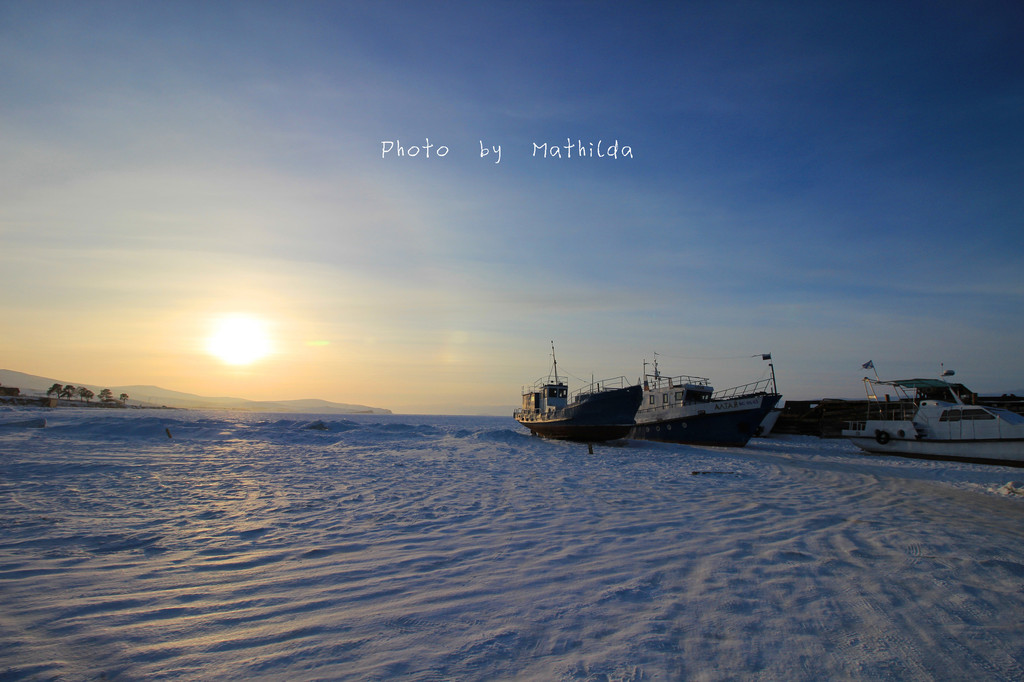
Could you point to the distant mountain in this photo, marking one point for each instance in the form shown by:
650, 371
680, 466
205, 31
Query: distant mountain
154, 396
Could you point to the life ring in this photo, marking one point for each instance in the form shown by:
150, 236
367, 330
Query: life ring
882, 437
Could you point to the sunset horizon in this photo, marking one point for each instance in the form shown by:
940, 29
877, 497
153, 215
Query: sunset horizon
403, 206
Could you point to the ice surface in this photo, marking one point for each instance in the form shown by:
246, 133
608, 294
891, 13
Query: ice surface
191, 545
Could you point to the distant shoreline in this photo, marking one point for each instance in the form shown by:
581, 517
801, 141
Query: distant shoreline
55, 403
35, 390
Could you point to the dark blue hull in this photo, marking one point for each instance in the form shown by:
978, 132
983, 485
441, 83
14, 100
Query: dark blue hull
594, 417
706, 426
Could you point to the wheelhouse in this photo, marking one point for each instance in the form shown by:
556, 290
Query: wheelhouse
546, 396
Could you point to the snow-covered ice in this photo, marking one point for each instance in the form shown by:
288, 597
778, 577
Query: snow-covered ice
380, 547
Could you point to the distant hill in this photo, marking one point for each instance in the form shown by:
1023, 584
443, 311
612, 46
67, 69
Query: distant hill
154, 396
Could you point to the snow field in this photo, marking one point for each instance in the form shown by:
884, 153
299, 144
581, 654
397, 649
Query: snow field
383, 547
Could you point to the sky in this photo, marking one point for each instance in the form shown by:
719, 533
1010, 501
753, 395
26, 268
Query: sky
830, 183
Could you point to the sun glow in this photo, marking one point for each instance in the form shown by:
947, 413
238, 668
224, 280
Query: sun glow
239, 340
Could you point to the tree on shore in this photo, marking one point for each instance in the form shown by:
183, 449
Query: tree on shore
69, 392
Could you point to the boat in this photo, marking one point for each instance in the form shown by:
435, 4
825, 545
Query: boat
687, 409
602, 411
768, 423
935, 422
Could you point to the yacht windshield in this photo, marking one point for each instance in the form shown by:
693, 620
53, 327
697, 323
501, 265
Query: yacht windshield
1010, 417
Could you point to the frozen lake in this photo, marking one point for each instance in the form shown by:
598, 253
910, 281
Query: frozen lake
430, 548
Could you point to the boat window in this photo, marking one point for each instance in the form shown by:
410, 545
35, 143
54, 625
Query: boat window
651, 401
679, 395
1011, 417
950, 416
664, 399
977, 414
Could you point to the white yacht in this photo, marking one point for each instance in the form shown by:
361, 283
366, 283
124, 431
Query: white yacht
936, 423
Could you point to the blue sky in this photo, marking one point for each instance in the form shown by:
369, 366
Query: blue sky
828, 182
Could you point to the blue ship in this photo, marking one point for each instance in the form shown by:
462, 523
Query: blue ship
686, 409
604, 410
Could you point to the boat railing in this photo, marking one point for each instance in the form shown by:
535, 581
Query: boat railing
655, 381
892, 410
542, 382
600, 387
525, 414
758, 387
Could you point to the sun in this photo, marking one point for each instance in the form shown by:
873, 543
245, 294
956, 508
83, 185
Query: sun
239, 339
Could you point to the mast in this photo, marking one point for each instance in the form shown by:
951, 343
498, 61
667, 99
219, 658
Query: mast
554, 360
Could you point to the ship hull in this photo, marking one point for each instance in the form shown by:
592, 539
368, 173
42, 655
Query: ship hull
884, 437
584, 433
727, 423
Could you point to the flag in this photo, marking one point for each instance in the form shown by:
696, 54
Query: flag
766, 356
870, 364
